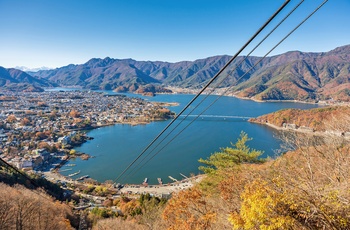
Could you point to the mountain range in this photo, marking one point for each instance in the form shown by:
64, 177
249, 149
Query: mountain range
17, 80
26, 69
293, 75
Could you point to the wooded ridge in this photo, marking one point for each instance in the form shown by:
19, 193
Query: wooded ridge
293, 75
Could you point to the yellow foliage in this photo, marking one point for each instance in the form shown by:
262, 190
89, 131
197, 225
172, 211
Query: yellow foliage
72, 152
131, 207
305, 189
259, 209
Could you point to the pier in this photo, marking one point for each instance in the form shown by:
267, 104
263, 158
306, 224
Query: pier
184, 176
73, 174
172, 178
160, 181
163, 190
83, 177
64, 170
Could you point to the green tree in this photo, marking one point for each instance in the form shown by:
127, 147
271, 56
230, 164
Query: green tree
230, 157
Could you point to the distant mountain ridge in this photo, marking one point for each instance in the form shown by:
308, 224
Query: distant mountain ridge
301, 76
17, 80
293, 75
30, 70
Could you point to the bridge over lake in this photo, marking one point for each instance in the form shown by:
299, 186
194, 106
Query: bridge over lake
223, 117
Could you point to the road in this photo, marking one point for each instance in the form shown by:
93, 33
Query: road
158, 190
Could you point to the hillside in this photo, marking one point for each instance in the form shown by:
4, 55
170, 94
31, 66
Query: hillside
22, 208
17, 80
290, 76
293, 75
318, 119
301, 76
29, 201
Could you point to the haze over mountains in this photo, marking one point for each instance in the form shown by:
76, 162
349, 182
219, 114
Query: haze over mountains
17, 80
290, 76
26, 69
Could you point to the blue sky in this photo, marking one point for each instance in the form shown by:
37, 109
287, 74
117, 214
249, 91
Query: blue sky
56, 33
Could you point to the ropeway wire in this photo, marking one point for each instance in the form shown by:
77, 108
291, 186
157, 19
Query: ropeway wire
246, 57
217, 85
206, 86
197, 116
33, 182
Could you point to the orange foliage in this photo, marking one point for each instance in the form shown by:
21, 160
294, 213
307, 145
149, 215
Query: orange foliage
313, 118
305, 189
130, 207
74, 113
22, 208
25, 121
41, 135
44, 145
189, 210
11, 119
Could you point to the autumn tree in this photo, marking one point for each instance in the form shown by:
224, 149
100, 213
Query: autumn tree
189, 209
25, 121
11, 118
44, 145
72, 152
74, 113
42, 104
307, 188
261, 208
108, 203
118, 223
40, 135
24, 209
130, 207
151, 207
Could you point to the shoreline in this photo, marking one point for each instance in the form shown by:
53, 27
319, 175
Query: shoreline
298, 130
218, 92
136, 122
131, 123
160, 189
56, 175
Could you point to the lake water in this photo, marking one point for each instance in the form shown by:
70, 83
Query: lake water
115, 147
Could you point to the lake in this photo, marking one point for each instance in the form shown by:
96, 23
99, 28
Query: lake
115, 147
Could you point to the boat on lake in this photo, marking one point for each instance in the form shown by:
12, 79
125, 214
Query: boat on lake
73, 174
64, 170
83, 177
160, 181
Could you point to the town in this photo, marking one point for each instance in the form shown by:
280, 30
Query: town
40, 130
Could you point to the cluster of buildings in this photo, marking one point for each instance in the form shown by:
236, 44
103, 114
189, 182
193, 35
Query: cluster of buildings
37, 159
35, 127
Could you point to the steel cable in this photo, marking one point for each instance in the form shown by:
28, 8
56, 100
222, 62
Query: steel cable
217, 85
206, 86
197, 116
